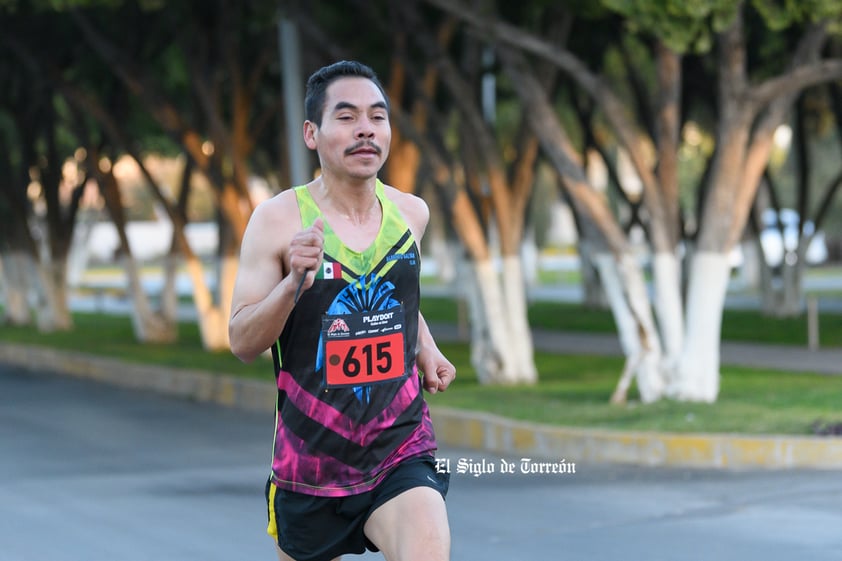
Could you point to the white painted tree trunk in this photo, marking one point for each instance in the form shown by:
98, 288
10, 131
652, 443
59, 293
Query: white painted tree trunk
52, 312
625, 289
520, 333
501, 345
169, 296
484, 355
77, 257
697, 377
669, 308
592, 290
612, 286
148, 326
16, 287
42, 302
444, 254
213, 319
791, 303
497, 364
529, 259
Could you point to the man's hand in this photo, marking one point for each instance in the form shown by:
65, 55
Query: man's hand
438, 372
305, 255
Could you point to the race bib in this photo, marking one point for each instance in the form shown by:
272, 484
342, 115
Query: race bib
364, 347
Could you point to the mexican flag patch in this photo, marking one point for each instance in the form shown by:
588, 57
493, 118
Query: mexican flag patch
329, 270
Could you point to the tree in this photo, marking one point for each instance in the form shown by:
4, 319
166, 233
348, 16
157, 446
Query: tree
41, 193
199, 71
747, 116
781, 282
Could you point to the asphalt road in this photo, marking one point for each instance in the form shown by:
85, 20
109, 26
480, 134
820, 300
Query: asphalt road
90, 472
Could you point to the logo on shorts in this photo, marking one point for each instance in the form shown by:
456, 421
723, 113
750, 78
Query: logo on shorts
338, 326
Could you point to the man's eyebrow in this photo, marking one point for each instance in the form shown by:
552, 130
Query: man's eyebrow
346, 105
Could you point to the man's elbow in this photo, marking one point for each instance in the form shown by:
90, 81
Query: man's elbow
239, 352
246, 356
240, 347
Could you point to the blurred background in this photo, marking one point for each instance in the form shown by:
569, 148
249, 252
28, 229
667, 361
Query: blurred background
657, 160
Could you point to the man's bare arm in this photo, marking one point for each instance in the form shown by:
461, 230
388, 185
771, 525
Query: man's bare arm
265, 290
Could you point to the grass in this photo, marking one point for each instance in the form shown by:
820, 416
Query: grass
112, 336
737, 325
573, 390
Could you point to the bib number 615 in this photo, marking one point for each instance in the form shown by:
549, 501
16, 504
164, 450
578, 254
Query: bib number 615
365, 360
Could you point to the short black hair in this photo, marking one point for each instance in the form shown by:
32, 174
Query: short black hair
314, 96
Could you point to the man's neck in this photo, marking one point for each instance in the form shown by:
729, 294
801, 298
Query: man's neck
355, 201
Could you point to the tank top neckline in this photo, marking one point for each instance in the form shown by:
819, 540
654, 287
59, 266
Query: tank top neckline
379, 192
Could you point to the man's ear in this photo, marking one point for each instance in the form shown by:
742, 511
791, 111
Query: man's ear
310, 131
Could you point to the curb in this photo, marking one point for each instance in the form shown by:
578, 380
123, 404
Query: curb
492, 433
465, 429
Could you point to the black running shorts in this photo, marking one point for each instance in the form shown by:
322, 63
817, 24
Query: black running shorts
309, 528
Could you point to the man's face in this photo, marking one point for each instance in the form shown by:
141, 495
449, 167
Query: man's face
354, 137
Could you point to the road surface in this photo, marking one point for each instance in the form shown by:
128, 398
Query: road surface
90, 472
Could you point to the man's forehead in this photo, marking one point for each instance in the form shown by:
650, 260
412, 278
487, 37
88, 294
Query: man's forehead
357, 91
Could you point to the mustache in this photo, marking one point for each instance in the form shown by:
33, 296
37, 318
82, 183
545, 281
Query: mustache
363, 144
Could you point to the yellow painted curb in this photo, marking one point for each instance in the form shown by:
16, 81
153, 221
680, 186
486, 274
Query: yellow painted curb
197, 385
484, 431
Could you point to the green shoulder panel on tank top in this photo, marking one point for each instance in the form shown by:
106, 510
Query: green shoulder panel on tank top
393, 229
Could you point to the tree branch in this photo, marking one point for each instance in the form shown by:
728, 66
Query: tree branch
614, 109
797, 79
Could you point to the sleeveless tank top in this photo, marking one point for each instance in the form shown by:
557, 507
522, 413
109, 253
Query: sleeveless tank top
349, 403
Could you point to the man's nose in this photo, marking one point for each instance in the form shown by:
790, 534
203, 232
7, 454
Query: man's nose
365, 129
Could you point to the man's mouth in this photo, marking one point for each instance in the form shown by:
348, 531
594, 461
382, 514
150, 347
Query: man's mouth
364, 147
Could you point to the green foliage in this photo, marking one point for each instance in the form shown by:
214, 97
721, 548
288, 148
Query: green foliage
780, 14
683, 25
65, 5
689, 26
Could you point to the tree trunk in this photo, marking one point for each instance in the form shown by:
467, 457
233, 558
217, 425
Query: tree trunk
169, 296
520, 341
697, 377
16, 268
212, 319
625, 288
669, 308
148, 326
52, 312
501, 344
643, 357
593, 293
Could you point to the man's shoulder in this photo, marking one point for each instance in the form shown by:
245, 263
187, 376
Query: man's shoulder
407, 202
278, 205
279, 212
413, 209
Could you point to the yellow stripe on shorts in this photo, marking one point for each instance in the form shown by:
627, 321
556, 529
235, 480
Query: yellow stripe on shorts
272, 528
